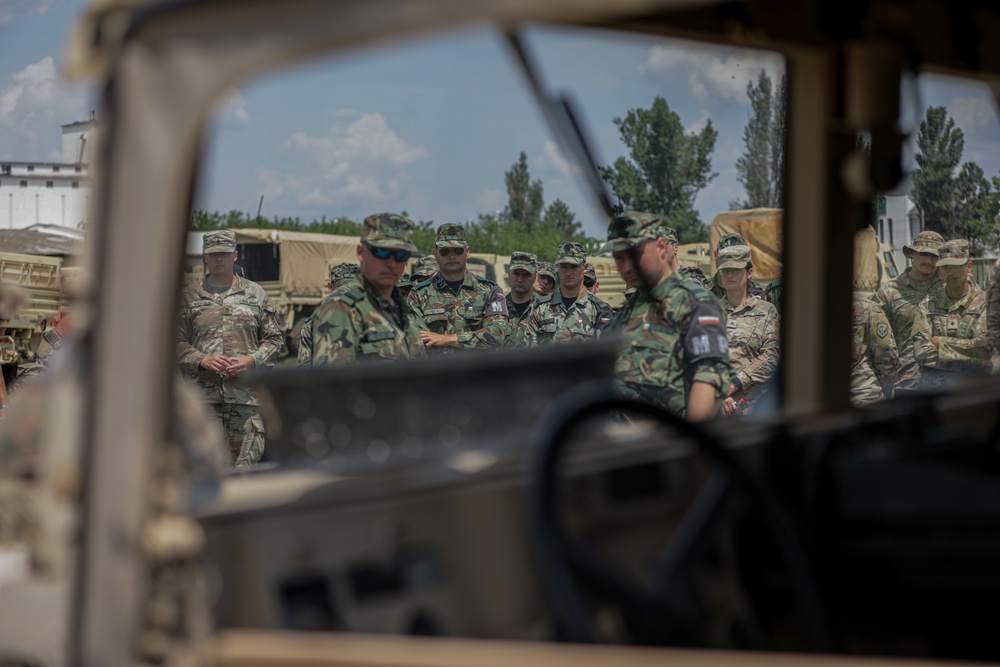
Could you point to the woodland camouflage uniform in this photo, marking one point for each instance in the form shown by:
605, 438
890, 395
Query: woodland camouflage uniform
355, 322
752, 329
477, 312
339, 274
237, 322
900, 300
674, 334
555, 322
519, 325
961, 324
874, 357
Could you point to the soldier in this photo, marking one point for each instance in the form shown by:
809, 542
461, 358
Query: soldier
752, 332
339, 274
404, 285
570, 313
367, 318
228, 327
458, 308
772, 293
545, 281
717, 289
993, 313
675, 352
521, 299
590, 280
900, 300
874, 356
952, 338
425, 268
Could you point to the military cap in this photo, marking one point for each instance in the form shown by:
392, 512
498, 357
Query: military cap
425, 267
404, 281
450, 235
953, 253
734, 257
926, 241
341, 273
669, 233
730, 240
388, 230
547, 269
590, 276
571, 252
221, 240
630, 229
524, 260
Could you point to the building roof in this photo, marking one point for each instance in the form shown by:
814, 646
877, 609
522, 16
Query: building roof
31, 242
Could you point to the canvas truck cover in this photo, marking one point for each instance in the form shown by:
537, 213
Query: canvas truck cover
762, 228
304, 257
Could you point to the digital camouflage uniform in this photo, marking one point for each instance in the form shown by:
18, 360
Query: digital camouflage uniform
900, 300
355, 322
477, 312
519, 325
339, 274
555, 322
674, 334
961, 323
237, 322
717, 289
874, 357
752, 329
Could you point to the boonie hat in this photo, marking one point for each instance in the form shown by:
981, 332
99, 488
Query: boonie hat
524, 260
630, 229
926, 241
221, 240
450, 235
388, 230
734, 257
953, 253
571, 252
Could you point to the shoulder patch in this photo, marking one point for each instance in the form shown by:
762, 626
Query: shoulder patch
882, 329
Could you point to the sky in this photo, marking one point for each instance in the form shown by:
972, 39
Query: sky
429, 127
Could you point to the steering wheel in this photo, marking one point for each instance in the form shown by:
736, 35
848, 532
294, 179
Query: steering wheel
655, 610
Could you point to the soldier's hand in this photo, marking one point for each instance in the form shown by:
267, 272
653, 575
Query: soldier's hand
432, 339
730, 408
215, 362
240, 365
936, 341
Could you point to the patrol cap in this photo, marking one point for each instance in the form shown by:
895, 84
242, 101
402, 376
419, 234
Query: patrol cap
571, 252
590, 277
425, 267
404, 281
729, 240
388, 230
451, 235
734, 257
926, 241
669, 233
953, 253
341, 273
630, 229
547, 269
221, 240
525, 261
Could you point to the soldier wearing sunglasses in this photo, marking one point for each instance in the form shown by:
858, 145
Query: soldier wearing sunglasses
459, 309
367, 318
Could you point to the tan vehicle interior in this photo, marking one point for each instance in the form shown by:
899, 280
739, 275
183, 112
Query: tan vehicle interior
449, 504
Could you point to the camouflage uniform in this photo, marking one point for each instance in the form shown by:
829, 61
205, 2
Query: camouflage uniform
549, 269
900, 300
674, 334
477, 312
717, 289
236, 322
874, 357
519, 325
961, 324
993, 313
752, 330
773, 293
339, 274
355, 322
555, 322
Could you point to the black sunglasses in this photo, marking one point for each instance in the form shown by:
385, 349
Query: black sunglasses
444, 252
385, 253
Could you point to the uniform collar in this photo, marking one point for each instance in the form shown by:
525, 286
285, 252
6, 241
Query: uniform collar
660, 292
239, 285
468, 282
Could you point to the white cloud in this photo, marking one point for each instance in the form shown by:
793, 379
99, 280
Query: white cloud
492, 200
34, 103
363, 161
553, 157
699, 124
12, 10
234, 109
715, 71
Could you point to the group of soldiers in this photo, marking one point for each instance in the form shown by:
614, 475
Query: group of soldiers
696, 346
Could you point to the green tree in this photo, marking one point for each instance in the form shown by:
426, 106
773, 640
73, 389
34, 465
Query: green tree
940, 145
524, 197
976, 205
665, 169
558, 214
761, 168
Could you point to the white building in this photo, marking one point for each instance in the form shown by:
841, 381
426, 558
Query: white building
50, 193
897, 225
